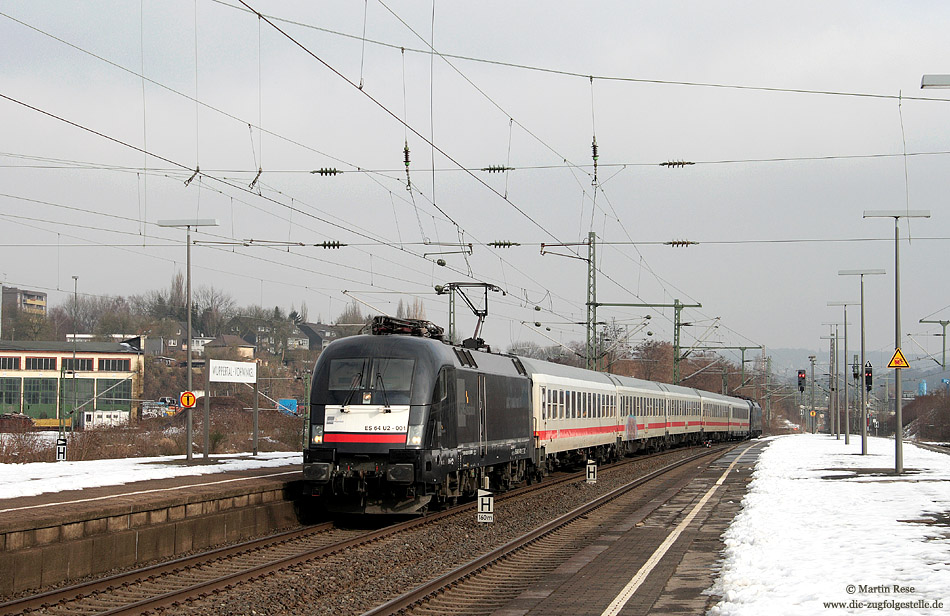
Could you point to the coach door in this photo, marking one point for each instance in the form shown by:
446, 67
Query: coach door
482, 416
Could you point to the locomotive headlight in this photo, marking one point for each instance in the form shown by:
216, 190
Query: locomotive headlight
414, 436
316, 435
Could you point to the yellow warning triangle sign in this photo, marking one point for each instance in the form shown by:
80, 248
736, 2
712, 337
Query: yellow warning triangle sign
898, 361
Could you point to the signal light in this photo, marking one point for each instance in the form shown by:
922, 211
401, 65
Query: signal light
867, 377
801, 381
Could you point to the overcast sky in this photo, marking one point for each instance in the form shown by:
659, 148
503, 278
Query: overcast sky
789, 110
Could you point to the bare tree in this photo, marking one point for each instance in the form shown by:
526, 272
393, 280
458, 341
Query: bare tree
351, 321
214, 308
417, 310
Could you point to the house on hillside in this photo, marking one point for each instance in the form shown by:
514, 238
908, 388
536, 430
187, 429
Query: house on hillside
167, 336
319, 334
242, 347
268, 335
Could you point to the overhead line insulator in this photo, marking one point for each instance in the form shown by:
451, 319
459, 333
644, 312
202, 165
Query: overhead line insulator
326, 171
503, 244
676, 163
595, 156
331, 245
681, 243
497, 168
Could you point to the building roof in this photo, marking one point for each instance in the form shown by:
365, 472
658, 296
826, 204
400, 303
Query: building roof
228, 340
66, 347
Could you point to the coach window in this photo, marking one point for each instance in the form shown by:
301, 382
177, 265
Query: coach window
544, 401
560, 404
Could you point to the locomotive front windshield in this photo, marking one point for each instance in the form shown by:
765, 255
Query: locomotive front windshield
388, 379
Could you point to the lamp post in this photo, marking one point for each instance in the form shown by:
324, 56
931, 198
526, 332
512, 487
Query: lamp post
863, 405
847, 409
188, 224
898, 394
812, 358
833, 400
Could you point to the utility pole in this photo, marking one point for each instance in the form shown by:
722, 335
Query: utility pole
943, 359
811, 358
593, 304
591, 301
832, 375
677, 306
741, 349
898, 386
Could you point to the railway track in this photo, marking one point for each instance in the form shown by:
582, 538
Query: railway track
187, 579
491, 581
938, 448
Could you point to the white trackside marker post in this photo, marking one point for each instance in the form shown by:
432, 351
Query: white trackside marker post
486, 506
591, 472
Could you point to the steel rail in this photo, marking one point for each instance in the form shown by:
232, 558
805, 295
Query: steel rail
190, 591
61, 595
436, 586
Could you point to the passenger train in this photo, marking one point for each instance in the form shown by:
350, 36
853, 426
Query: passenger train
405, 423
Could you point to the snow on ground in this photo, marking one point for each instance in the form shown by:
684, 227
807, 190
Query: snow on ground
824, 529
41, 477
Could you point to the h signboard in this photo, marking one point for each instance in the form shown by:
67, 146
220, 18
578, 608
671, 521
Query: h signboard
486, 506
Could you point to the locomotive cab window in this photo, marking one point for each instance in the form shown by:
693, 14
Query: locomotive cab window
390, 379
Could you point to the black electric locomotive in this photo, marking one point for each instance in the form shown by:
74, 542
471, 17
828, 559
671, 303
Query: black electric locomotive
400, 423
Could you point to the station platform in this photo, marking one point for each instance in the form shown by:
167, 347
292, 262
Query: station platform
56, 537
658, 560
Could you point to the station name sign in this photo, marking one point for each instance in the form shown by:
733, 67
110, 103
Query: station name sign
222, 371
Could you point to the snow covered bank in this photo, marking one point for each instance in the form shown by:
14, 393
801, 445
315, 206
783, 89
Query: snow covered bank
824, 529
41, 477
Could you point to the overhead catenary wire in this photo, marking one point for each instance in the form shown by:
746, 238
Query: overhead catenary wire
588, 75
291, 211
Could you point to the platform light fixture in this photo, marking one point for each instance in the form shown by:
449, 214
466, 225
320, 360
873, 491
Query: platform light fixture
864, 424
898, 394
935, 82
847, 408
188, 224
